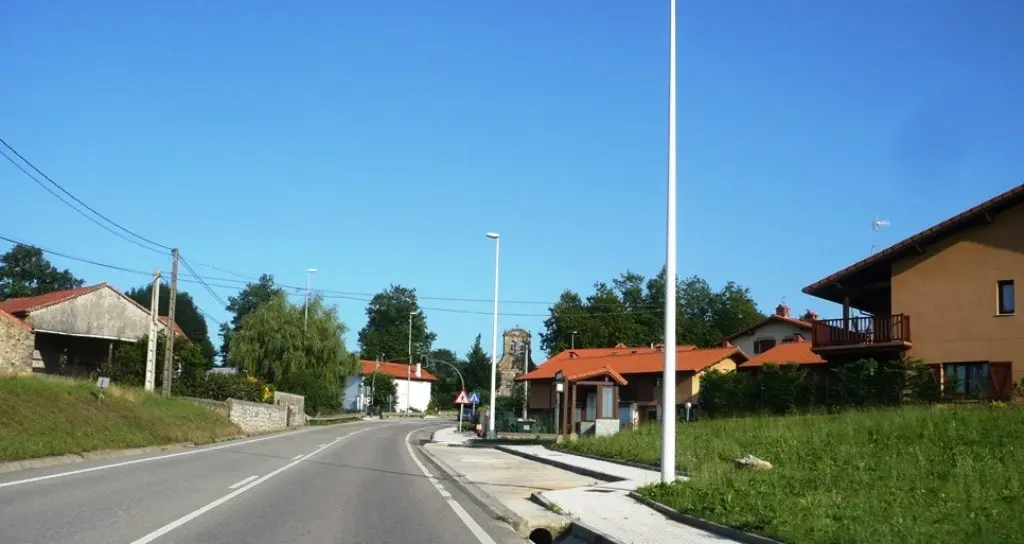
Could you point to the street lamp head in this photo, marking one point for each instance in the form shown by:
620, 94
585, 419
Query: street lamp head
493, 235
311, 270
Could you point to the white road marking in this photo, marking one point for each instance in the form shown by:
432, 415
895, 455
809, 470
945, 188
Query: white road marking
297, 457
468, 520
143, 460
236, 485
200, 511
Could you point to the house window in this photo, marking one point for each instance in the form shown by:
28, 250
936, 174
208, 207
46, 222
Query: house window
967, 379
763, 345
1007, 304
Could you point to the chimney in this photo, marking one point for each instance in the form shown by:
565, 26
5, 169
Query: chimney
573, 355
798, 338
620, 345
419, 370
810, 315
727, 344
659, 347
782, 310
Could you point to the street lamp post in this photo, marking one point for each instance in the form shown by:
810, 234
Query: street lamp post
668, 380
494, 334
408, 370
305, 317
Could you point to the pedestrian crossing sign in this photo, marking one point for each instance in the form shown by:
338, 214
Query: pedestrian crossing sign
474, 398
462, 398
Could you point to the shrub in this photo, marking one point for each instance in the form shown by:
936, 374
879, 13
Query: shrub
321, 396
791, 388
221, 387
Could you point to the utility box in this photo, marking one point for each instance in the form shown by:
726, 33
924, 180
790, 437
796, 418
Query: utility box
525, 425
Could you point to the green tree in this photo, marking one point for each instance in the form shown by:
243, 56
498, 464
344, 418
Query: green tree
384, 391
387, 326
25, 272
630, 311
274, 341
186, 315
129, 364
448, 384
249, 298
478, 371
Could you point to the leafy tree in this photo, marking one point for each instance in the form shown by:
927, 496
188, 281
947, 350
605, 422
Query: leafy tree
129, 364
478, 371
273, 343
25, 272
321, 397
630, 311
248, 299
446, 388
384, 391
186, 315
387, 325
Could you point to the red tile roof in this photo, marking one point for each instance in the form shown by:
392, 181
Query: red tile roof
798, 352
603, 371
17, 322
399, 371
606, 352
688, 359
25, 305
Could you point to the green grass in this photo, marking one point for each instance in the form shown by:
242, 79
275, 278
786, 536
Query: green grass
41, 417
914, 475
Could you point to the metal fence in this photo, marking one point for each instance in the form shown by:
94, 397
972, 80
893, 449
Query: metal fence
511, 422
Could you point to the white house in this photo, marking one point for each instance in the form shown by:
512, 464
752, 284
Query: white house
414, 385
778, 328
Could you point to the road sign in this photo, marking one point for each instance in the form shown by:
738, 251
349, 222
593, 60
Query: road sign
474, 398
462, 398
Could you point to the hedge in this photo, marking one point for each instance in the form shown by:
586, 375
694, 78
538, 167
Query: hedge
793, 388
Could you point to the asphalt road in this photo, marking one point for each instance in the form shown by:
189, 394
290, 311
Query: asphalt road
353, 483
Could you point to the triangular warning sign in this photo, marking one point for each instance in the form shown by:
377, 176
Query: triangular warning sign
463, 398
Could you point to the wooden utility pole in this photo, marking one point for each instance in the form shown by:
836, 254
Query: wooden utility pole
169, 346
154, 328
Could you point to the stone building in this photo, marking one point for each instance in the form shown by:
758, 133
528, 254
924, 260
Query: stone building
16, 345
515, 356
70, 332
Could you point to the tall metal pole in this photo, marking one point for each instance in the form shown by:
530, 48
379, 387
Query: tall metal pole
494, 335
169, 343
668, 380
305, 307
526, 368
154, 332
408, 370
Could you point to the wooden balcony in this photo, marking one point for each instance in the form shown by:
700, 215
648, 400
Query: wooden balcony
861, 334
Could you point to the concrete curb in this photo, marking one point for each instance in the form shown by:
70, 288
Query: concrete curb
586, 533
494, 508
564, 466
631, 464
709, 526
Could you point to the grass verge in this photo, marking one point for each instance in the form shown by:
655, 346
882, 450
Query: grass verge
41, 417
912, 475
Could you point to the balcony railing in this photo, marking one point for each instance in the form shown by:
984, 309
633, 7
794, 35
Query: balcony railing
861, 331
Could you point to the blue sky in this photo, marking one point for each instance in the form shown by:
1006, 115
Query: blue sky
379, 141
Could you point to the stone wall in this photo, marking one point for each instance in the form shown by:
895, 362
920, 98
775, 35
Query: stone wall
219, 406
297, 404
256, 417
17, 343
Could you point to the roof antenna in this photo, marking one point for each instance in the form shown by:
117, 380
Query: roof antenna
877, 225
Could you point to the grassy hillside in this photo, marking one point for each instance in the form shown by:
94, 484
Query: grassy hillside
41, 417
914, 475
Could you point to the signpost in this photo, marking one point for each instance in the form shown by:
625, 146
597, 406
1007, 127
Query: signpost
462, 400
474, 399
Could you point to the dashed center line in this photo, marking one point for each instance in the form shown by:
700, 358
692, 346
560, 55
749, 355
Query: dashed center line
243, 482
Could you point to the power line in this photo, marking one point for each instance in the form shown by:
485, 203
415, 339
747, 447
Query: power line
72, 206
75, 198
204, 284
210, 283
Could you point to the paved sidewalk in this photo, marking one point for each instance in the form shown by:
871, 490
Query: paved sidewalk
450, 437
607, 508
